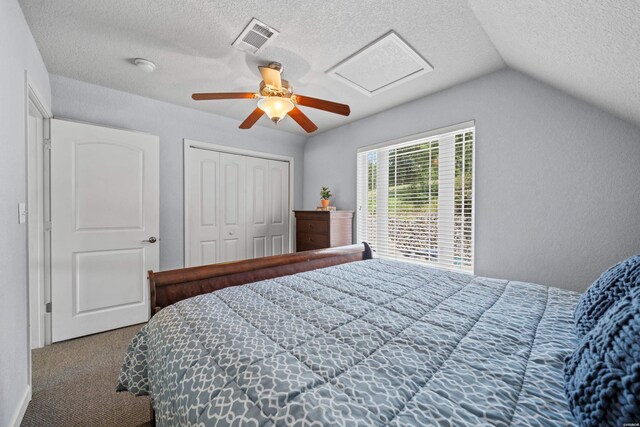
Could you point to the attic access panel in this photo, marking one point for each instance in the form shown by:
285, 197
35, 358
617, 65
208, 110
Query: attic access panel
382, 65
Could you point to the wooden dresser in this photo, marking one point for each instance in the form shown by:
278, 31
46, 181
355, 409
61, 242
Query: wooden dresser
323, 229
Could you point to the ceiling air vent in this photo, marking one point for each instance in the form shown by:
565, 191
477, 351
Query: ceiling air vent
383, 64
255, 37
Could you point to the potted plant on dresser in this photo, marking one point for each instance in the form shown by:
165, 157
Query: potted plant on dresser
325, 195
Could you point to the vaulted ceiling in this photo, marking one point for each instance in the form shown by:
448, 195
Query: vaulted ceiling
588, 48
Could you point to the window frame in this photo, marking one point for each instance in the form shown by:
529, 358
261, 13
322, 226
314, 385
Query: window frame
431, 134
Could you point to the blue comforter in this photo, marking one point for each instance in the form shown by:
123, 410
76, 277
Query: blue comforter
367, 343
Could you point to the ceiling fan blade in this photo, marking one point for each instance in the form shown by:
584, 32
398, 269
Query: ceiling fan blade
252, 119
271, 77
303, 120
223, 95
321, 104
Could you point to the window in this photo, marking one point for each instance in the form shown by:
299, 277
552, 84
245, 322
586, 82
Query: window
415, 198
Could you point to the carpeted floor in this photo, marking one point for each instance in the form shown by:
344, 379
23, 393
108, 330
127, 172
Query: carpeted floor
74, 384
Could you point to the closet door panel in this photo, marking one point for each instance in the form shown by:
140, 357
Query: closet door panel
203, 199
232, 207
258, 194
279, 210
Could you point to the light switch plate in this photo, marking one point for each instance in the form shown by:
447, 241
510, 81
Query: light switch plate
22, 213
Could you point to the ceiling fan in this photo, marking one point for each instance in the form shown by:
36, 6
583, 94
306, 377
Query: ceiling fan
276, 99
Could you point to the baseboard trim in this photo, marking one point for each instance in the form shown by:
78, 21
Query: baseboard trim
16, 420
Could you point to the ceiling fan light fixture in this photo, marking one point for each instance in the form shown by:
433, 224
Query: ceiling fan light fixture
275, 107
276, 100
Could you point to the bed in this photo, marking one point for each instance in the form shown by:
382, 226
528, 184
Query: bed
334, 337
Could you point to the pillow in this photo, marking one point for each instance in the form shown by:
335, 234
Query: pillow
610, 287
602, 376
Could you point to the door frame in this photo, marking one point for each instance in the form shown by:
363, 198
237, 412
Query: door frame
190, 143
32, 95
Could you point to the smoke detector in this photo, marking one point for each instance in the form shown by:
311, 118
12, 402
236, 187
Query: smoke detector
145, 65
255, 37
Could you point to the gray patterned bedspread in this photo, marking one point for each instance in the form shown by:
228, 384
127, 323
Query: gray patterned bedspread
367, 343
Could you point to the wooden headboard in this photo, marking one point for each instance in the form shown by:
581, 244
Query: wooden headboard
168, 287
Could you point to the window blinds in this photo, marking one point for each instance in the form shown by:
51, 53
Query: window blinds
415, 199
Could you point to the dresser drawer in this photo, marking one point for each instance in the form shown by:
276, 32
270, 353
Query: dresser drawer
306, 241
322, 229
312, 226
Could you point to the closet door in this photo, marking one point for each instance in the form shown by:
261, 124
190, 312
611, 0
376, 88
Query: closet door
257, 207
267, 207
279, 209
232, 207
238, 207
203, 195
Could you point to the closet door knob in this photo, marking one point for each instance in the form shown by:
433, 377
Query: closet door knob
151, 240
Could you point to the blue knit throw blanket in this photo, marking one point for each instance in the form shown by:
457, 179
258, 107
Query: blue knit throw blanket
609, 288
602, 376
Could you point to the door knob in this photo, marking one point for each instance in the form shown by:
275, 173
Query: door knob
231, 233
151, 240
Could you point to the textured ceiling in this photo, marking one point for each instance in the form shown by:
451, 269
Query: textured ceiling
190, 42
588, 48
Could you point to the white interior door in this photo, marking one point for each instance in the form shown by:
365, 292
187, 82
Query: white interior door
105, 222
267, 207
232, 207
202, 196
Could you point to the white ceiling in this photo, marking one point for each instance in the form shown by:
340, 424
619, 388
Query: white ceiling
190, 42
588, 48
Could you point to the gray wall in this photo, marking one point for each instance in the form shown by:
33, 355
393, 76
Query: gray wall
18, 52
82, 101
557, 180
